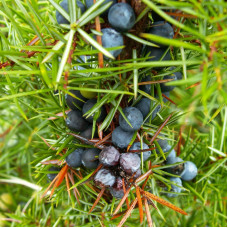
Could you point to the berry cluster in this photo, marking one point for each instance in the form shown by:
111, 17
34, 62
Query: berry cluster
121, 161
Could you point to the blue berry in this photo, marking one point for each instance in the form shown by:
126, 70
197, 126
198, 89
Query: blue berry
121, 138
90, 158
51, 176
88, 105
117, 193
121, 17
163, 29
82, 59
75, 121
134, 116
73, 102
176, 169
130, 162
112, 38
144, 107
137, 146
162, 143
87, 133
157, 53
74, 160
64, 4
104, 177
175, 188
146, 88
109, 156
171, 154
166, 88
89, 3
190, 171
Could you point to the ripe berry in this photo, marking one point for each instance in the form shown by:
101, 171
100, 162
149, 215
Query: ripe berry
112, 38
130, 162
64, 4
118, 194
89, 3
163, 29
176, 169
171, 154
90, 158
166, 88
162, 143
138, 173
109, 156
144, 107
137, 146
87, 133
134, 116
73, 102
82, 59
175, 188
88, 105
121, 138
75, 121
157, 53
51, 176
190, 171
146, 88
74, 160
121, 17
104, 177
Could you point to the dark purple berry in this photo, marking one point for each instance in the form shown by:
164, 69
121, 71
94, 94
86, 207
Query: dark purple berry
89, 3
163, 29
90, 158
137, 146
109, 156
138, 173
72, 102
87, 133
118, 194
134, 116
130, 162
104, 178
121, 17
190, 171
51, 176
74, 160
121, 138
64, 4
88, 105
75, 121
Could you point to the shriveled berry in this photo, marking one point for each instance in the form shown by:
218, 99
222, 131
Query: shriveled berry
175, 188
112, 38
90, 158
73, 102
109, 156
190, 171
87, 133
121, 138
51, 176
121, 17
64, 4
89, 3
119, 183
137, 146
176, 169
88, 105
144, 107
130, 162
75, 121
74, 160
134, 116
104, 177
163, 29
